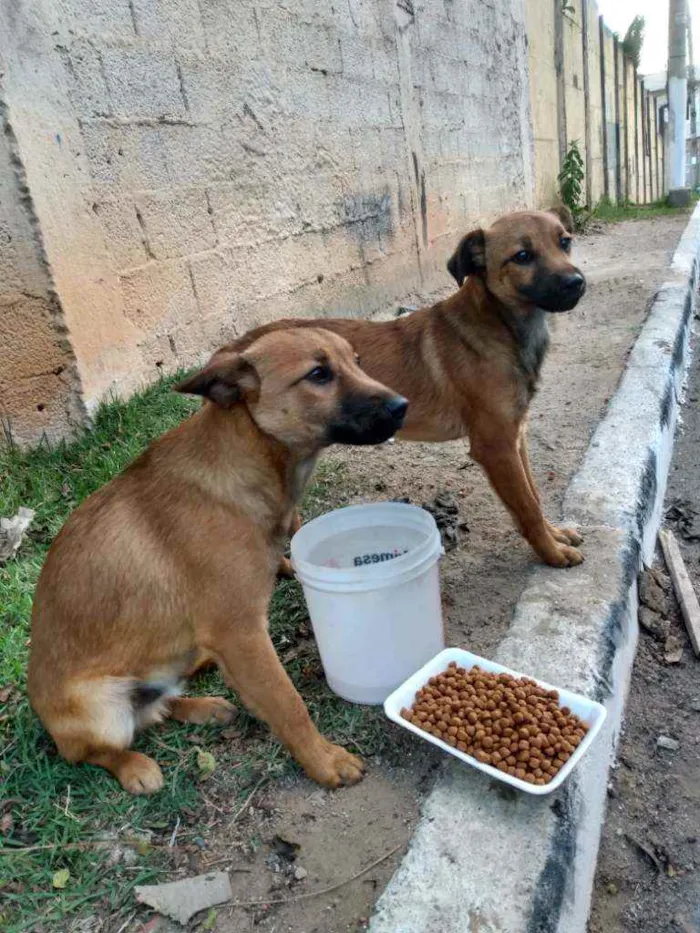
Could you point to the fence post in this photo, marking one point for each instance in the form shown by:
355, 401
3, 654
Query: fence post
587, 103
626, 111
645, 140
601, 40
618, 153
637, 166
561, 80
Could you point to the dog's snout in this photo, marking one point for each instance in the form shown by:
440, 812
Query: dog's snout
574, 284
397, 407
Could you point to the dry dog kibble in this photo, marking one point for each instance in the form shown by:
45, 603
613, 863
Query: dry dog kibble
507, 722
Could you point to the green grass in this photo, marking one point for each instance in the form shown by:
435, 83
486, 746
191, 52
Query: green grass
57, 816
608, 212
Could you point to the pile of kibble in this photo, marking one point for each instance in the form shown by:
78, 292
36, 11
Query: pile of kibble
507, 722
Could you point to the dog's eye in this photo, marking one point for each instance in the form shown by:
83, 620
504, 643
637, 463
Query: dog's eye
565, 243
523, 257
320, 375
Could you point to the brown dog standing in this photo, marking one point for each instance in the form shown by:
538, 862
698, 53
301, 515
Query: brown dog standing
172, 563
471, 364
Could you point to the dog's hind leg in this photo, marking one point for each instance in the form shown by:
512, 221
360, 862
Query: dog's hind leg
201, 709
136, 773
562, 535
95, 722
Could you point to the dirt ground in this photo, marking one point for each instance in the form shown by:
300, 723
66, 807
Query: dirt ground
340, 834
648, 878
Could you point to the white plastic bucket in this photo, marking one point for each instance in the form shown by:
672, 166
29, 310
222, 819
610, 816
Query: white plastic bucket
371, 582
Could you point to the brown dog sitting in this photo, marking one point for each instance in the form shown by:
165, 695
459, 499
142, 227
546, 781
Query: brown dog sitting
471, 364
171, 565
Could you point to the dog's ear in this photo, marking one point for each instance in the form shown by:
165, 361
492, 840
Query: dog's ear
469, 258
226, 379
564, 214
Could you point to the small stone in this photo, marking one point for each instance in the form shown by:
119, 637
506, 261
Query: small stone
612, 888
653, 623
695, 704
665, 741
673, 650
300, 873
652, 595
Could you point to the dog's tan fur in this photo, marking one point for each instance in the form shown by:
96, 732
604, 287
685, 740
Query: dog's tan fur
470, 365
172, 564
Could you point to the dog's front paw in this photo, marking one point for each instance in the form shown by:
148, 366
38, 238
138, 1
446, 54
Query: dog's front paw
565, 535
564, 556
335, 766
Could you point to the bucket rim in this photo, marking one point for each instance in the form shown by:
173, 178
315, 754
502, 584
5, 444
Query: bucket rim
363, 578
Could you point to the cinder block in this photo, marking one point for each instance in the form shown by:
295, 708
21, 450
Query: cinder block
319, 206
143, 84
306, 96
39, 408
230, 28
158, 295
357, 58
356, 104
175, 21
211, 87
104, 20
88, 90
221, 283
31, 343
246, 214
125, 157
198, 155
176, 222
299, 45
122, 233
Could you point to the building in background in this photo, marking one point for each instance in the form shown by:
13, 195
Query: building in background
656, 85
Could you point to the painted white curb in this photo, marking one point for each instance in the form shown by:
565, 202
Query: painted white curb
484, 857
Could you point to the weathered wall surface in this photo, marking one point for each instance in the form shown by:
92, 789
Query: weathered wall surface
198, 166
39, 387
195, 167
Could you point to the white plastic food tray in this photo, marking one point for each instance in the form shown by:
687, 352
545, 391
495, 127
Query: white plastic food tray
592, 713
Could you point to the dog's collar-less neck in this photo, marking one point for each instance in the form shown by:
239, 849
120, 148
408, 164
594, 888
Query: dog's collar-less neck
528, 330
244, 459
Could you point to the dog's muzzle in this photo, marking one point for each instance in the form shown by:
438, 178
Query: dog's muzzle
557, 292
368, 420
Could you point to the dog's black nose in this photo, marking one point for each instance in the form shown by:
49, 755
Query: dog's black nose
573, 284
397, 407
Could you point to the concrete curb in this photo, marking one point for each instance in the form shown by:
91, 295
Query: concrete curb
484, 857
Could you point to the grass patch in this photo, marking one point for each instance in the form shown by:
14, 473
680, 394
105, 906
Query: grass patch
607, 212
55, 816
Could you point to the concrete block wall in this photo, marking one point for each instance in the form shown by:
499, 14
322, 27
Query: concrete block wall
199, 167
576, 99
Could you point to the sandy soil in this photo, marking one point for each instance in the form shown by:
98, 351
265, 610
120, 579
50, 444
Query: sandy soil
648, 878
342, 833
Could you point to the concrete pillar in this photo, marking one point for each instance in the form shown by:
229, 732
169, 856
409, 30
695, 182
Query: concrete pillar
677, 101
